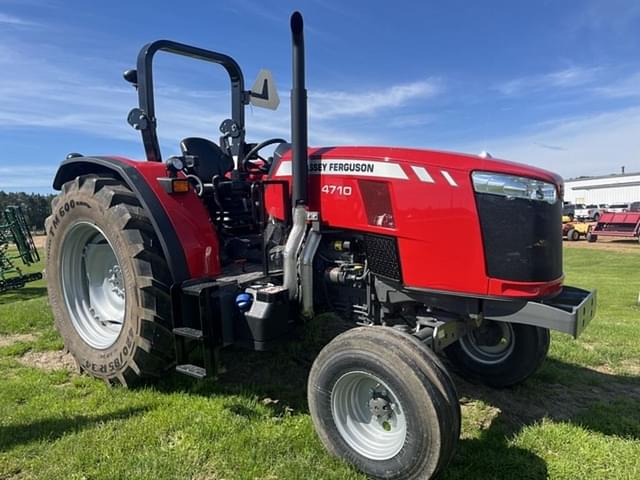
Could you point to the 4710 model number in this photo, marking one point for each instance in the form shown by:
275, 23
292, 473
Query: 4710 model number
344, 190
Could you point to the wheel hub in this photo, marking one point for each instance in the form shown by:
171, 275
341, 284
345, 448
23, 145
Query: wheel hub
380, 406
115, 280
488, 335
490, 344
368, 415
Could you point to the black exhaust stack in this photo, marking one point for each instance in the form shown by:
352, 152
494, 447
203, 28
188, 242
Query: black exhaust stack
299, 168
298, 114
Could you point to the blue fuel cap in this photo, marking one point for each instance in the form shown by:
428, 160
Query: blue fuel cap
244, 301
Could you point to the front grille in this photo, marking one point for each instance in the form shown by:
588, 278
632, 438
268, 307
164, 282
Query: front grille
382, 255
522, 238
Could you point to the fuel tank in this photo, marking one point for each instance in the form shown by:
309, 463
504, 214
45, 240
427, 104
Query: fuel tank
426, 226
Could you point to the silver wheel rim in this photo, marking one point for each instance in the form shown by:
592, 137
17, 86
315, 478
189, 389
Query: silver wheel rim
93, 285
489, 354
374, 437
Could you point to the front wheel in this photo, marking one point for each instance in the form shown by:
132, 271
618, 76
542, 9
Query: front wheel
573, 235
382, 401
500, 354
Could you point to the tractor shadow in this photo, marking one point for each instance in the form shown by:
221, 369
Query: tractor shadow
50, 429
560, 392
277, 378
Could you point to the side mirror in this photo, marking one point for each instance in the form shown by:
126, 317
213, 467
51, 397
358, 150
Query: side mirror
264, 93
131, 76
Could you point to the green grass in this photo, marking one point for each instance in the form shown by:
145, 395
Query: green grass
577, 418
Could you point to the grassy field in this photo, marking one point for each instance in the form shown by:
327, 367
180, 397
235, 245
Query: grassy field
579, 417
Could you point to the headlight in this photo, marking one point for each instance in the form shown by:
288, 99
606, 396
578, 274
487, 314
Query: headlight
512, 186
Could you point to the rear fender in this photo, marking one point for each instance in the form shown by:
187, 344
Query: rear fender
181, 221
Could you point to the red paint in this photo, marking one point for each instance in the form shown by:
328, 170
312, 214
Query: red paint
190, 220
436, 224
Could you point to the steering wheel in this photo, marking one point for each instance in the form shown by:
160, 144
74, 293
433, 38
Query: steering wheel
246, 163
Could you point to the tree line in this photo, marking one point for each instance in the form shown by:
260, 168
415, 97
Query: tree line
35, 206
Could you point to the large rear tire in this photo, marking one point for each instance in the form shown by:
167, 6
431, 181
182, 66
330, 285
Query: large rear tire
500, 354
108, 281
382, 401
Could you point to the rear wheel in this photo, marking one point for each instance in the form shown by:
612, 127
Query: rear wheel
382, 401
500, 354
108, 282
573, 235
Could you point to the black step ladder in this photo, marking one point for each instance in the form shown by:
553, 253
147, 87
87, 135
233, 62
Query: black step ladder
198, 316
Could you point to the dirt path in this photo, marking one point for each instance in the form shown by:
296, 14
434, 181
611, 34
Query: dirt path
56, 360
39, 241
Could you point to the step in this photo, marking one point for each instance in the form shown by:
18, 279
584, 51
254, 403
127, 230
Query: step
195, 289
187, 332
192, 370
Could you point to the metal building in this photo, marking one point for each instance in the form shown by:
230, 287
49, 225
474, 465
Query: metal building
609, 189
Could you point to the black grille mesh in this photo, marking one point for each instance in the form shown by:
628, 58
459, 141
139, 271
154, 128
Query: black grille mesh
522, 238
382, 255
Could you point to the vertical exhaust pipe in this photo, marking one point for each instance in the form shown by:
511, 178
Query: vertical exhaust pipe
299, 170
298, 113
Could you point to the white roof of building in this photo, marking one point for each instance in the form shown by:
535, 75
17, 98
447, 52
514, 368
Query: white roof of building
614, 179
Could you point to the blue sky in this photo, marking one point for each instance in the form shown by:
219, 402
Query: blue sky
551, 83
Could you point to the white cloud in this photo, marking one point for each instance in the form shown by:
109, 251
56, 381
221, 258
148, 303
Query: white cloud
586, 145
621, 88
565, 78
7, 19
613, 16
333, 104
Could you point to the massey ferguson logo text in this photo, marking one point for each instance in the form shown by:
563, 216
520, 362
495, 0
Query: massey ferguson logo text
340, 167
362, 168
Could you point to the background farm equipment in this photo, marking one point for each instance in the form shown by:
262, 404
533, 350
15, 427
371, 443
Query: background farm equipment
573, 230
624, 225
16, 244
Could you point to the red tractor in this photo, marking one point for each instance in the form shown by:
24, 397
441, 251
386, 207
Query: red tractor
422, 252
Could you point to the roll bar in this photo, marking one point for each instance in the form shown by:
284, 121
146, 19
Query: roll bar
144, 118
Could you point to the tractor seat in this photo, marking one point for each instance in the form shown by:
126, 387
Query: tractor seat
211, 159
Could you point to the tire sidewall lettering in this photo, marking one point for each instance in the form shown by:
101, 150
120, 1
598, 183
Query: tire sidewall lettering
61, 212
114, 365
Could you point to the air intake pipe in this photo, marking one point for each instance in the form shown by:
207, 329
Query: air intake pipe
299, 160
